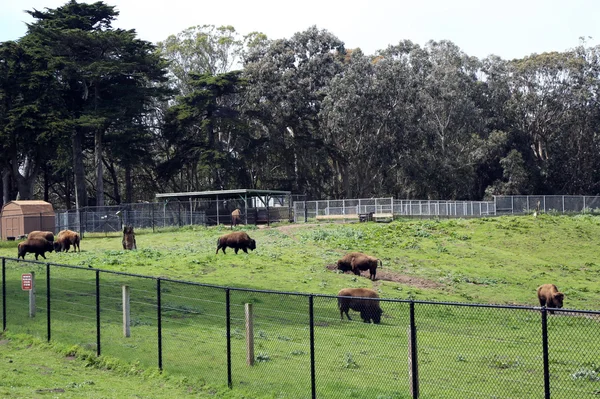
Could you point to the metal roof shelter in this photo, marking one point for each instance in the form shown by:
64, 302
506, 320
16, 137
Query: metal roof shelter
264, 196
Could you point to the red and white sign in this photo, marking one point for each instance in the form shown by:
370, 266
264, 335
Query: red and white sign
26, 281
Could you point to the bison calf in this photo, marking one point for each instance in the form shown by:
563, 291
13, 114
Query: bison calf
46, 235
369, 309
357, 261
236, 218
64, 240
550, 297
236, 240
37, 246
128, 238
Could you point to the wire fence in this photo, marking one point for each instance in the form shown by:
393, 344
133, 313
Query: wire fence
516, 204
293, 345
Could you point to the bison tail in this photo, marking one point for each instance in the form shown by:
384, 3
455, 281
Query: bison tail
380, 262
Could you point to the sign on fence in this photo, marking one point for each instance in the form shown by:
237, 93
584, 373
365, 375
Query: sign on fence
26, 281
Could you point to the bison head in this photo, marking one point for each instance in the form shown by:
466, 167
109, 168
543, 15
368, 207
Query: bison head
252, 244
558, 298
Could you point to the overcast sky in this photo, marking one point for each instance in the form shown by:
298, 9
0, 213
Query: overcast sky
508, 28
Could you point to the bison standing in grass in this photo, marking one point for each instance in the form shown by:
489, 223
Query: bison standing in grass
550, 297
64, 240
357, 261
46, 235
236, 218
37, 246
236, 240
369, 309
128, 238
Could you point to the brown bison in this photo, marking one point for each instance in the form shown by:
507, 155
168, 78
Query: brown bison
550, 297
369, 309
236, 240
64, 240
236, 218
357, 261
46, 235
128, 238
37, 246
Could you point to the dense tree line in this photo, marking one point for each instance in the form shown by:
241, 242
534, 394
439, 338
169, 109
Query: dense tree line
91, 114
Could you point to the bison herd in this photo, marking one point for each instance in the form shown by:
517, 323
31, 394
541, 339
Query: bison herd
362, 300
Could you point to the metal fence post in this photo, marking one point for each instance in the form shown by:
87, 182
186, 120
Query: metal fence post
545, 353
98, 312
414, 369
3, 294
312, 346
48, 301
228, 318
159, 324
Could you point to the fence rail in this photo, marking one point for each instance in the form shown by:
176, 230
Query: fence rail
301, 347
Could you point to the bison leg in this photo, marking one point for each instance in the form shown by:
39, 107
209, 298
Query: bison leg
236, 250
245, 250
342, 311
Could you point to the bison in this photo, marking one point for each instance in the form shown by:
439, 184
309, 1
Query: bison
357, 261
37, 246
236, 218
369, 309
64, 240
236, 240
46, 235
128, 238
550, 297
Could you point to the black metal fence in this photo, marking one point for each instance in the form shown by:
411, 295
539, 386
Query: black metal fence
293, 345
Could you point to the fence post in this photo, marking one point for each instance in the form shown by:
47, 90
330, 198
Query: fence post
305, 213
545, 353
98, 352
49, 334
152, 216
126, 314
159, 324
249, 334
32, 296
228, 317
412, 354
3, 294
311, 317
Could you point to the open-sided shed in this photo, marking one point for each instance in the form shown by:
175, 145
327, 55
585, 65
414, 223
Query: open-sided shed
19, 218
256, 206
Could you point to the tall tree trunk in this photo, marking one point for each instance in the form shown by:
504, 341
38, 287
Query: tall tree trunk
99, 168
26, 180
128, 185
68, 193
5, 186
79, 171
46, 185
110, 167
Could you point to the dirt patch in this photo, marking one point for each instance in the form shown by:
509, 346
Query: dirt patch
288, 229
4, 342
388, 275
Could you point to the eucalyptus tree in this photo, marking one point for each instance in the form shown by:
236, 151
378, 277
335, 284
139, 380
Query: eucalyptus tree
287, 79
108, 77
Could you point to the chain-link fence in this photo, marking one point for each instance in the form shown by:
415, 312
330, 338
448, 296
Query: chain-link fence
157, 215
349, 209
292, 345
512, 204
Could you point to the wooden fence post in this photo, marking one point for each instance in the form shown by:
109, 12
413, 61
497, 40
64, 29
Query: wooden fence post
249, 335
126, 313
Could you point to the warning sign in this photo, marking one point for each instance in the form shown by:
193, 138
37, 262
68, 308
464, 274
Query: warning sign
26, 281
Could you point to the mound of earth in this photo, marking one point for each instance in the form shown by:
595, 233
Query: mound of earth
389, 275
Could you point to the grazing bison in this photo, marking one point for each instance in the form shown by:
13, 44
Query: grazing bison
236, 240
128, 238
369, 309
46, 235
37, 246
357, 261
550, 297
236, 218
64, 240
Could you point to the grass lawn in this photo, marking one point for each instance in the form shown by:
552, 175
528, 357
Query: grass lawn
463, 351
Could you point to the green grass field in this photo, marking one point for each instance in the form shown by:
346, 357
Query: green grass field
463, 351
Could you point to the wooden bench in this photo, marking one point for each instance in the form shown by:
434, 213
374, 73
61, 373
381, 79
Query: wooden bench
337, 217
383, 217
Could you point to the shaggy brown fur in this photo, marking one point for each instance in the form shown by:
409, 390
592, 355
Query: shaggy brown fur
550, 297
64, 240
37, 246
128, 238
357, 261
236, 240
236, 217
369, 310
46, 235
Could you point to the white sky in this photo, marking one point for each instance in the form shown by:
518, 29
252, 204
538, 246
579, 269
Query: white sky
508, 28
